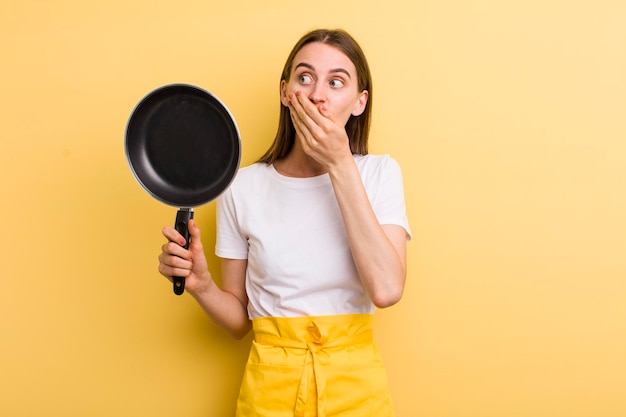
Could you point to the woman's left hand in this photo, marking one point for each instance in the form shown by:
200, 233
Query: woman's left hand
322, 138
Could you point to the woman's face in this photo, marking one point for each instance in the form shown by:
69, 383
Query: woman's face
328, 78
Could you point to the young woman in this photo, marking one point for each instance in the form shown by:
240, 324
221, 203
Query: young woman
312, 238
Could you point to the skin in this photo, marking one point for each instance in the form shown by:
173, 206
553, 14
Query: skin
322, 93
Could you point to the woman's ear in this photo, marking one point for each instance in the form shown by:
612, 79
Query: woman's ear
359, 106
283, 93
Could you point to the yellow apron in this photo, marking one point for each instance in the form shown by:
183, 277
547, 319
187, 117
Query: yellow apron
314, 367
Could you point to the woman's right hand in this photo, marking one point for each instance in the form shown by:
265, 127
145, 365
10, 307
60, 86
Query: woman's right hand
191, 264
228, 306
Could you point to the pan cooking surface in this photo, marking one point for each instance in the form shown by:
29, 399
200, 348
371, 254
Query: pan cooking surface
183, 145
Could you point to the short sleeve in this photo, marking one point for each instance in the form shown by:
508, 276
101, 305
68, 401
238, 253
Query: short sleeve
387, 194
230, 243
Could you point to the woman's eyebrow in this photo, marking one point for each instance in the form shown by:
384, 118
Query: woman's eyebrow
312, 68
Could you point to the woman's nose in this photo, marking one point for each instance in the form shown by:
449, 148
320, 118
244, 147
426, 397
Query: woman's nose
316, 94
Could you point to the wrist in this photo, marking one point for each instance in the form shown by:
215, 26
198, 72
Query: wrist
343, 168
204, 286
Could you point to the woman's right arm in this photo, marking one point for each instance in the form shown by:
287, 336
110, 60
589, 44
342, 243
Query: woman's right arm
226, 306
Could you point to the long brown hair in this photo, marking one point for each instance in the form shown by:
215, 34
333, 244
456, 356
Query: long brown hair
357, 127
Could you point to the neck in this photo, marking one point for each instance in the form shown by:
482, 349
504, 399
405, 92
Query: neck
299, 165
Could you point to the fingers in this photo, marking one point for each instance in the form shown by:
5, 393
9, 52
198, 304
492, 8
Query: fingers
174, 259
174, 266
321, 138
304, 118
172, 235
195, 243
307, 110
301, 130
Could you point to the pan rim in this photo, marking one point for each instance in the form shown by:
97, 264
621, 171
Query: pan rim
214, 189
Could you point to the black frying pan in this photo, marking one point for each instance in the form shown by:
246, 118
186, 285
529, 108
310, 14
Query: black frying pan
183, 147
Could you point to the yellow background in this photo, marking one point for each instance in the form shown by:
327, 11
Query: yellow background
508, 118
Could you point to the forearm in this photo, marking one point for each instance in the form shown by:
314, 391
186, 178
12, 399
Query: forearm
381, 264
225, 309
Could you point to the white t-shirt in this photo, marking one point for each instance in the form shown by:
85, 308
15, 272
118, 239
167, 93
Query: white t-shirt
292, 234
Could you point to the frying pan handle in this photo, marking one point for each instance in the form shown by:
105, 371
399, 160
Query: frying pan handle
182, 219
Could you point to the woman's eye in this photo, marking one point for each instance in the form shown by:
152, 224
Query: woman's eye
336, 83
305, 79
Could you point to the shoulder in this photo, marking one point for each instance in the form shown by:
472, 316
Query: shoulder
250, 174
253, 169
377, 165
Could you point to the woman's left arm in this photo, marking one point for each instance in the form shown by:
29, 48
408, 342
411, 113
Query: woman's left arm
379, 251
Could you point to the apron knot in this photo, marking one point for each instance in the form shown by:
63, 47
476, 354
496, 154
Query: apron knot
319, 336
